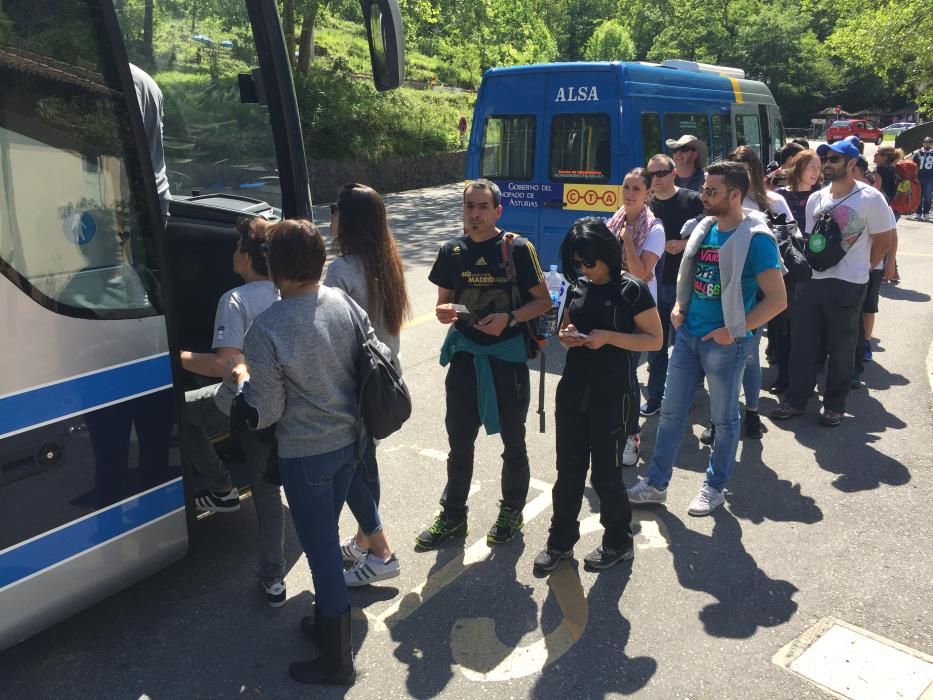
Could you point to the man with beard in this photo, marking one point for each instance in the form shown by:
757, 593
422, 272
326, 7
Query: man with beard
831, 301
730, 255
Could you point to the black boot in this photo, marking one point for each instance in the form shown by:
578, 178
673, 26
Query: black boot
752, 425
335, 665
311, 628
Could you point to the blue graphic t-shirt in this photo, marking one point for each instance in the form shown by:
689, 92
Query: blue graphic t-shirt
705, 312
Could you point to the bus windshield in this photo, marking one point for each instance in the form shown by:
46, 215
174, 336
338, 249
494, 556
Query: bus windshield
195, 52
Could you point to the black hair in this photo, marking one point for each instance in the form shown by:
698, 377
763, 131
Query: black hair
733, 175
802, 141
788, 151
643, 174
591, 240
484, 184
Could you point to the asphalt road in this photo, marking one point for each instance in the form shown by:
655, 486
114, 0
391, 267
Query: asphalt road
818, 523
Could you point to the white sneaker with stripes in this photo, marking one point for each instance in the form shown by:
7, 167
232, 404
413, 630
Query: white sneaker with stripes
351, 551
371, 569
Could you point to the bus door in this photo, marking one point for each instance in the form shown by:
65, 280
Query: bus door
91, 495
748, 129
506, 147
582, 170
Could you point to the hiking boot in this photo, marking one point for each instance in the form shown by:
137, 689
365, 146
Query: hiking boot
650, 408
708, 436
644, 493
217, 501
548, 559
443, 528
274, 588
507, 525
371, 569
603, 557
753, 425
630, 451
706, 501
351, 551
785, 411
830, 419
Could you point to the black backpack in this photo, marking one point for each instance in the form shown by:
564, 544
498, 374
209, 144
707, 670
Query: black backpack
384, 401
824, 246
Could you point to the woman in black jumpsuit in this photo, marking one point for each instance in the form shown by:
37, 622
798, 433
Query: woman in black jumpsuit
609, 318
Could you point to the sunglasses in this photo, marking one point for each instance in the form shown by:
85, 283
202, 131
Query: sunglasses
711, 191
581, 264
684, 149
832, 159
659, 173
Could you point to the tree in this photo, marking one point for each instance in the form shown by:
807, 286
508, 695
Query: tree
610, 42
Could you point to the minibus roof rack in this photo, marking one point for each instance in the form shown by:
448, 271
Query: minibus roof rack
696, 67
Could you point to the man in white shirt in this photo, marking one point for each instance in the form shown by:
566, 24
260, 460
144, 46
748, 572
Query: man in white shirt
831, 301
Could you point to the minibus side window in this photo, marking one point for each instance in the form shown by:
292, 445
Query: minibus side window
508, 151
778, 135
748, 131
721, 145
676, 124
580, 148
650, 135
75, 233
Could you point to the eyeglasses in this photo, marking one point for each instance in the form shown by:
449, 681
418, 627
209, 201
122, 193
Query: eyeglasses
659, 173
711, 191
832, 159
581, 264
684, 149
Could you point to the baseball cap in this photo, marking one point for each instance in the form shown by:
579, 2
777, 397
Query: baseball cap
846, 148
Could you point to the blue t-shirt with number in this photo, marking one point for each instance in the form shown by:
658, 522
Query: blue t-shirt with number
705, 312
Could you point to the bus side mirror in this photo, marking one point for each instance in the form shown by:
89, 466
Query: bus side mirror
386, 42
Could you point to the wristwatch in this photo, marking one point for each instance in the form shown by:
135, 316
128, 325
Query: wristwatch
512, 320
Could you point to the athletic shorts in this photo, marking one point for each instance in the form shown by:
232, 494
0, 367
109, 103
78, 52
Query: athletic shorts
874, 289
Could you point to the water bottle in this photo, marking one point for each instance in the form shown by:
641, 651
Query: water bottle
555, 286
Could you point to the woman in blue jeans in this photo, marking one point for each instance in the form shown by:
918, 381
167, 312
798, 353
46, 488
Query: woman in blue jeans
302, 376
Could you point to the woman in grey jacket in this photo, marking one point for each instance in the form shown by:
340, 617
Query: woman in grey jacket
302, 377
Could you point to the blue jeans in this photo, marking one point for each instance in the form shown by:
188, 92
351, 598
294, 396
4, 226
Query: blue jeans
723, 366
926, 190
657, 360
364, 492
316, 488
751, 379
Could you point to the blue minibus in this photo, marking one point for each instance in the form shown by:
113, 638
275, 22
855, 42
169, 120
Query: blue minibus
558, 138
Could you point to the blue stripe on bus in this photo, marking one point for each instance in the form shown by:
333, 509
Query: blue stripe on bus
48, 550
48, 403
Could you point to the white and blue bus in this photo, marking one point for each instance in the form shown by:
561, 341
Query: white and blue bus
97, 295
558, 138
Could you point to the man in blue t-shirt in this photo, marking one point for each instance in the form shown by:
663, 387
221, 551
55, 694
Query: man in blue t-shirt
730, 255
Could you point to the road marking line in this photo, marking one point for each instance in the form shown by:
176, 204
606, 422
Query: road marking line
434, 454
418, 320
852, 663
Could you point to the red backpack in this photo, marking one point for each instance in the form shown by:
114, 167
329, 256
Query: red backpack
907, 191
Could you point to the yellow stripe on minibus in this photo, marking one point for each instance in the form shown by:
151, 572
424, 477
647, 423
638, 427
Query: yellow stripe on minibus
736, 90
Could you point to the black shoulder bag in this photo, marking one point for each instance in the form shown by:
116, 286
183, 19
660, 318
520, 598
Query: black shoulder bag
824, 246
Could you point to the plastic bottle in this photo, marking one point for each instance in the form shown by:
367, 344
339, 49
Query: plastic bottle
555, 286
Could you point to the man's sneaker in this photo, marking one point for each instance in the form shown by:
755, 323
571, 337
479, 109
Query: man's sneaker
785, 411
371, 569
706, 501
830, 419
274, 589
630, 451
753, 425
443, 528
856, 382
217, 501
644, 493
548, 559
507, 525
351, 551
708, 436
603, 557
867, 355
650, 408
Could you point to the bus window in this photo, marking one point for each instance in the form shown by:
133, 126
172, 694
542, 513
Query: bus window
747, 131
80, 241
651, 135
678, 124
778, 135
721, 145
580, 148
509, 148
213, 142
